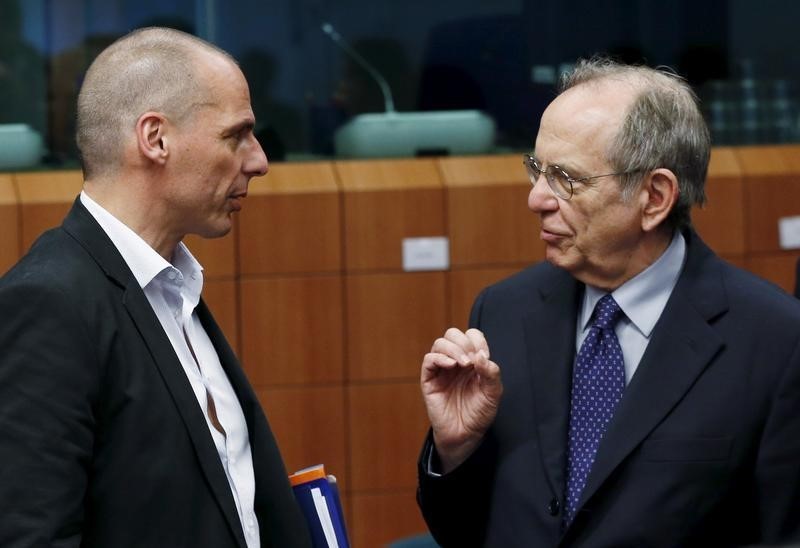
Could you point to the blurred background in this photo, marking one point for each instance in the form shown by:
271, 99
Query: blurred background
311, 286
502, 57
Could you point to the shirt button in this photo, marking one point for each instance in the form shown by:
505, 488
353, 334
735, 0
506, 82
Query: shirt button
171, 274
554, 507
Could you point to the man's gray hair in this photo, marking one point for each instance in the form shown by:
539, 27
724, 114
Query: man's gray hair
664, 128
150, 69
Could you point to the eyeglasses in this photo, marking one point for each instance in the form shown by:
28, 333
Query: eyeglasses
559, 180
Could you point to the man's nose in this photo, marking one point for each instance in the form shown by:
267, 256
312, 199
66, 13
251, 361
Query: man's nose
256, 163
541, 197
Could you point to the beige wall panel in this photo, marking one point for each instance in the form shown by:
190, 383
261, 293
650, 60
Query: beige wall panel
465, 286
771, 191
308, 423
217, 255
392, 320
387, 427
292, 330
376, 222
489, 222
721, 221
292, 221
380, 518
492, 225
285, 233
384, 202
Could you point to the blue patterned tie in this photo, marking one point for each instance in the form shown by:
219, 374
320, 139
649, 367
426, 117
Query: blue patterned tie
597, 384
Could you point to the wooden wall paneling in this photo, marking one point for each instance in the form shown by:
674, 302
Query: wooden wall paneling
464, 287
736, 260
291, 329
771, 191
291, 221
217, 255
384, 202
392, 320
380, 518
309, 426
721, 221
387, 425
791, 156
489, 222
778, 267
220, 296
9, 224
45, 198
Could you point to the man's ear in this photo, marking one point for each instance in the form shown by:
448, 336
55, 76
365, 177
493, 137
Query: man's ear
659, 194
151, 137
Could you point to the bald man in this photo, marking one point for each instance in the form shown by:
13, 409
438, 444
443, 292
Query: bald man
125, 418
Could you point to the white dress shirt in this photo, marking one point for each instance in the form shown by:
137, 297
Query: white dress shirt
642, 299
173, 291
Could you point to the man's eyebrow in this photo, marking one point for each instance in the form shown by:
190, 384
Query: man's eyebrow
248, 124
564, 167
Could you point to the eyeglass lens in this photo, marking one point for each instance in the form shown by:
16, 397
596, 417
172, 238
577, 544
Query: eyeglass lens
556, 178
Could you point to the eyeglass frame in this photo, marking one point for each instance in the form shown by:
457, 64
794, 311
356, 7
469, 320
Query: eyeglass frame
534, 170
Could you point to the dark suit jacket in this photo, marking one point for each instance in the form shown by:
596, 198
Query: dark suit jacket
102, 441
704, 448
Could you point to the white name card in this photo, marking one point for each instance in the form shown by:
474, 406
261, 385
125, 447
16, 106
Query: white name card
789, 232
432, 253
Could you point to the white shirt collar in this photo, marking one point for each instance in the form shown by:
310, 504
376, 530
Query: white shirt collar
144, 261
643, 297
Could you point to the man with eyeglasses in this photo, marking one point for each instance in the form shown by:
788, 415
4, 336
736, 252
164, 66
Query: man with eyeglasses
634, 389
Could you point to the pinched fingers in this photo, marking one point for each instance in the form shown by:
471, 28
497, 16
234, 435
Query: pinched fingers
455, 344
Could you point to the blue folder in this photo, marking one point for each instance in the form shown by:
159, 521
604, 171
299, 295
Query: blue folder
318, 497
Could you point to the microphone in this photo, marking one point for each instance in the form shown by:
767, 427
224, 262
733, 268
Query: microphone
392, 134
388, 102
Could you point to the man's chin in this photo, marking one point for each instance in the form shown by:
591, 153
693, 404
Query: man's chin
217, 231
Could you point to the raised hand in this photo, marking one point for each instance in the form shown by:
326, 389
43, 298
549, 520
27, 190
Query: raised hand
461, 387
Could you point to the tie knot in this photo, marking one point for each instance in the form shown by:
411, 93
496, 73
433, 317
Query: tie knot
606, 313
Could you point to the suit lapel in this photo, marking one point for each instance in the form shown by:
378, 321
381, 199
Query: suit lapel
682, 345
82, 226
550, 335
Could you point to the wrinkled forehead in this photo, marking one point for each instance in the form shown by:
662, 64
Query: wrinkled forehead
603, 102
588, 115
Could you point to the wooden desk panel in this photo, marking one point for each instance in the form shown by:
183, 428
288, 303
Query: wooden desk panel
45, 198
387, 427
308, 423
721, 221
489, 222
372, 175
380, 518
392, 321
480, 171
9, 224
292, 330
771, 191
375, 224
292, 221
384, 202
492, 225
